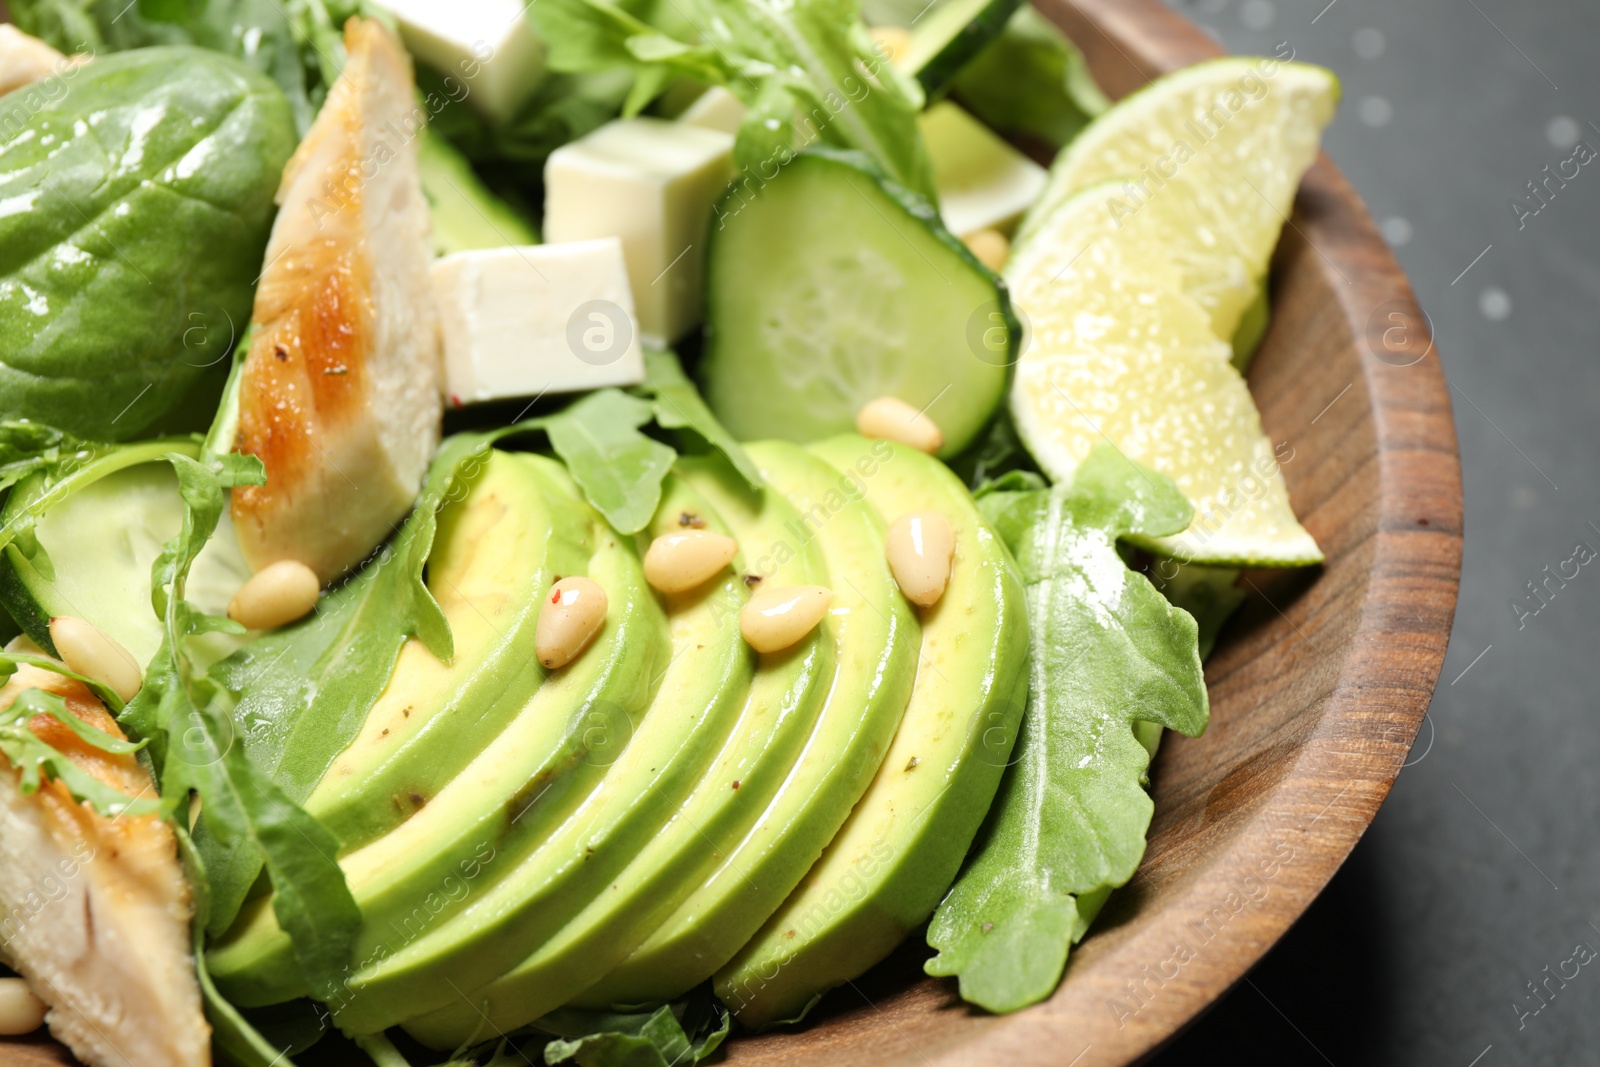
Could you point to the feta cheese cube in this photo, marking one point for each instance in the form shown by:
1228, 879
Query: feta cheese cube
983, 183
652, 183
717, 109
489, 47
524, 321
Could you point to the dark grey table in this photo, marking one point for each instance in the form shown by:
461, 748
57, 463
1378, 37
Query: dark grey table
1465, 930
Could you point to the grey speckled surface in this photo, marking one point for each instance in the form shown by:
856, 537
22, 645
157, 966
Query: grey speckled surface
1483, 869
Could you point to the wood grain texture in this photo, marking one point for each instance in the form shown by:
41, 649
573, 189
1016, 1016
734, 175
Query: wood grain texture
1317, 690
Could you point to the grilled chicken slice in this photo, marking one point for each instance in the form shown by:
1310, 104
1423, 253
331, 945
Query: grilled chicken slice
341, 395
25, 60
94, 911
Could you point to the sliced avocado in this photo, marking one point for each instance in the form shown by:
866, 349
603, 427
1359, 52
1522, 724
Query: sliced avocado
890, 865
877, 636
785, 698
464, 212
519, 526
646, 779
101, 527
522, 782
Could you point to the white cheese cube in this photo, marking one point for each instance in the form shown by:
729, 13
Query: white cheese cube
651, 183
488, 47
525, 321
983, 183
717, 109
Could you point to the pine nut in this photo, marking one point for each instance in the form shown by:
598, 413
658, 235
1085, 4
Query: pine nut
679, 561
920, 548
89, 652
20, 1011
277, 595
990, 246
573, 613
892, 419
774, 619
893, 42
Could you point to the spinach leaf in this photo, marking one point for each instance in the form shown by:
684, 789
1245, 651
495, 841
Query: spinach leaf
1031, 81
140, 197
302, 692
188, 719
1071, 814
679, 406
807, 70
296, 43
619, 469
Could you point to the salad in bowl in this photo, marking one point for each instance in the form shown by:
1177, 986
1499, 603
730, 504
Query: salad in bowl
574, 531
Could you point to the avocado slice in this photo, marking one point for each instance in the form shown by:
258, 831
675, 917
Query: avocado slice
647, 778
516, 788
785, 698
465, 214
877, 636
498, 548
890, 865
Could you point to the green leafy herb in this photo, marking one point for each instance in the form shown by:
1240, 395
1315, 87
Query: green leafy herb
37, 760
1210, 594
1108, 652
1031, 81
231, 1033
619, 469
806, 69
109, 316
673, 1035
563, 108
679, 406
296, 43
30, 448
188, 719
302, 692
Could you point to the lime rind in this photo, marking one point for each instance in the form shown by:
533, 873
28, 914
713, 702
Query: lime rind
1121, 352
1149, 248
1144, 127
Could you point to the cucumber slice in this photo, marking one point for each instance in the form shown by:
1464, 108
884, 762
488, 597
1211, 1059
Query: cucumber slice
102, 528
832, 286
950, 35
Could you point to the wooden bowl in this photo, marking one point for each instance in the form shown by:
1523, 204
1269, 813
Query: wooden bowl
1317, 689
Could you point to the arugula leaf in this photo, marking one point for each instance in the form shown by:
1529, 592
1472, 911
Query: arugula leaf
1031, 80
1210, 594
619, 469
241, 1044
807, 70
1071, 814
673, 1035
563, 108
302, 692
188, 718
679, 406
37, 760
10, 661
28, 448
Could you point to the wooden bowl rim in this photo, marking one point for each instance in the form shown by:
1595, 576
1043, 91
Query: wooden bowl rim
1153, 39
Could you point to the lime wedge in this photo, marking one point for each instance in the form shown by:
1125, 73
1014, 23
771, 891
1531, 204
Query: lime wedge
1235, 136
1131, 285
